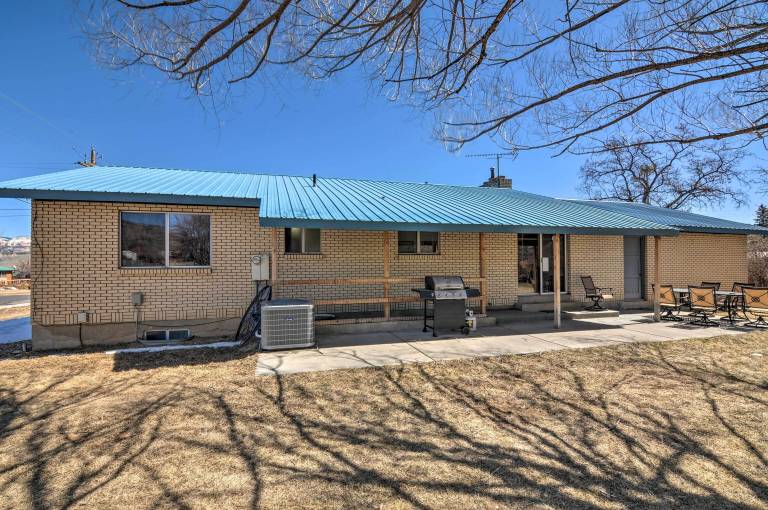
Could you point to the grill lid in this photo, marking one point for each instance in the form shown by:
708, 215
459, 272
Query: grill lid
444, 283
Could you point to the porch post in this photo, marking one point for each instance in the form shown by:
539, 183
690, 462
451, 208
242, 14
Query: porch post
274, 259
556, 262
387, 310
656, 279
483, 268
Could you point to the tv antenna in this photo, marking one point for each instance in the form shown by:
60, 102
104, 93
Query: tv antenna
498, 156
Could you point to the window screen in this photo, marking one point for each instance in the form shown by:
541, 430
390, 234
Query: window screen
311, 240
407, 242
302, 240
428, 242
418, 242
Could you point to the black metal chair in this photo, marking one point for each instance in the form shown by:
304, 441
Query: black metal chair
716, 285
668, 302
755, 306
703, 305
596, 294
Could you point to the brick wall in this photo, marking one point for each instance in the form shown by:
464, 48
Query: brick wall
75, 262
602, 257
76, 265
693, 258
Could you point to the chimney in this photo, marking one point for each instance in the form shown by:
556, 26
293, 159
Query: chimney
497, 181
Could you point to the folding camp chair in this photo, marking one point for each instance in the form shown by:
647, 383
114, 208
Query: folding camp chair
703, 305
596, 294
755, 306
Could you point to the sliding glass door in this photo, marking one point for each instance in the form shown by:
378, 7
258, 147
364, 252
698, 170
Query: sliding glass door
528, 263
535, 270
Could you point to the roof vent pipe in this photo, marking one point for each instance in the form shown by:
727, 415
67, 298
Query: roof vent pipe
314, 180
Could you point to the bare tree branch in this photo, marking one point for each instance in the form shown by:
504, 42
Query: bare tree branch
567, 76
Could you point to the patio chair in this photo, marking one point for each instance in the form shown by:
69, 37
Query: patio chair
739, 300
668, 302
596, 294
703, 305
755, 306
716, 285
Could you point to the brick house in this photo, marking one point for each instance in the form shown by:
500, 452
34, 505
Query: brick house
6, 275
185, 241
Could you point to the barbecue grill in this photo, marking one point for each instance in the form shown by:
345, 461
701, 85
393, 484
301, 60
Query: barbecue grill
446, 298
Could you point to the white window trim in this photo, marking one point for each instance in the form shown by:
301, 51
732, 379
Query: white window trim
303, 243
167, 264
418, 244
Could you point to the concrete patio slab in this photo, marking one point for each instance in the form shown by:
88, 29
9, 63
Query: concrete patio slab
290, 362
501, 345
382, 354
358, 350
442, 350
356, 339
576, 339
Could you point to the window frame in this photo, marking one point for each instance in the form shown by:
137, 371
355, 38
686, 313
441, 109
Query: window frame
418, 243
167, 264
564, 238
302, 249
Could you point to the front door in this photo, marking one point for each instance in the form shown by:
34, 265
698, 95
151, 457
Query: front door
633, 267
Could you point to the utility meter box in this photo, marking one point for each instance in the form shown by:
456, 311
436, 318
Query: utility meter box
260, 267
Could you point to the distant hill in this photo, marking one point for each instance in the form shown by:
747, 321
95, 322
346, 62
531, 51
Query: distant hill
15, 245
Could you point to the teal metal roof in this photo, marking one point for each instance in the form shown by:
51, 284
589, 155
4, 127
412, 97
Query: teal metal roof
682, 220
147, 185
382, 205
7, 269
290, 201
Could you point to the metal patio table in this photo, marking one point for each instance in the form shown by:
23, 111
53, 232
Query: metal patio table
730, 300
682, 293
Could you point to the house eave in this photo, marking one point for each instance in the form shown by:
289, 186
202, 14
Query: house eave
455, 227
139, 198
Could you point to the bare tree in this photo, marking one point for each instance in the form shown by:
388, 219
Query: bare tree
669, 175
757, 258
567, 75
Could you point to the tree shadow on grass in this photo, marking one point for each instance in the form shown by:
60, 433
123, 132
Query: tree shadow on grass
635, 426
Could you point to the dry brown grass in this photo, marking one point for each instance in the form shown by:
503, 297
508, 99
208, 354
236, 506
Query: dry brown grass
680, 424
13, 312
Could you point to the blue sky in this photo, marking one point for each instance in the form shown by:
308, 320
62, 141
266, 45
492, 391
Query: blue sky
55, 102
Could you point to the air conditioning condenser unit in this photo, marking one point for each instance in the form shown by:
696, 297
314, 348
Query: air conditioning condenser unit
287, 324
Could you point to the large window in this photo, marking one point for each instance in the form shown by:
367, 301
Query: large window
302, 240
165, 240
425, 243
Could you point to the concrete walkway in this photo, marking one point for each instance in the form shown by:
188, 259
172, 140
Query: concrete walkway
14, 298
523, 337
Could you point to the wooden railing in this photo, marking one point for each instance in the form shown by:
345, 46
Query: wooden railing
386, 283
19, 283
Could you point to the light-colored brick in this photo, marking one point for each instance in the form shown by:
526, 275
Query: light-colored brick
75, 265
